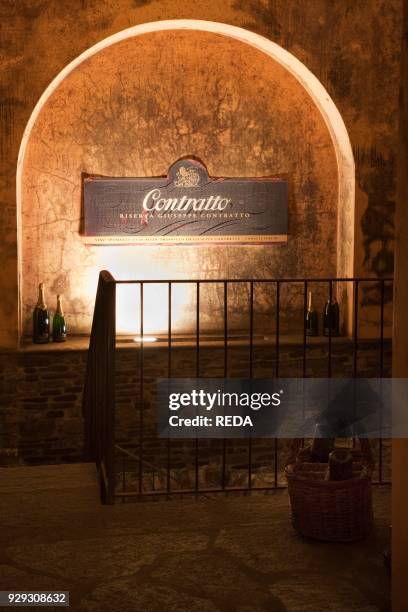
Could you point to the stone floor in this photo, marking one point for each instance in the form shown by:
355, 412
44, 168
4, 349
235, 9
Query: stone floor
226, 554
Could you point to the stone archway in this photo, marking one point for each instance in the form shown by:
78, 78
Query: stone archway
43, 186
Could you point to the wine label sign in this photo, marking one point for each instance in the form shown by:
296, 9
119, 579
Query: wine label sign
187, 206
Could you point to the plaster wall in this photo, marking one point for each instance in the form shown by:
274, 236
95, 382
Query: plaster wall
134, 108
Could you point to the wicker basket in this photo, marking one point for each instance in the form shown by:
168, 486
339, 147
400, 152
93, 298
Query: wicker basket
335, 511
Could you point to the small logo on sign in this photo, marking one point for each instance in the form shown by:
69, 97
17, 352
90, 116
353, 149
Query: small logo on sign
187, 177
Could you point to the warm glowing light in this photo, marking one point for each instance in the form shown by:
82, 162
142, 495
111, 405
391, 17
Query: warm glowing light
133, 262
145, 339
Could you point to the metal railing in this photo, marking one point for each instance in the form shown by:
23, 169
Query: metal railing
99, 389
113, 460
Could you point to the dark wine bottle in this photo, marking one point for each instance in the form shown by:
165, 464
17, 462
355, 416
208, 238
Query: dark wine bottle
41, 319
331, 318
340, 464
59, 328
312, 321
322, 444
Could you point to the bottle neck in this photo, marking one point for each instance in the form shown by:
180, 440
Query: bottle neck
59, 306
41, 298
310, 302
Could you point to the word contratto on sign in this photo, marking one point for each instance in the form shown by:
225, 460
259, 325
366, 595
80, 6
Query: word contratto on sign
185, 206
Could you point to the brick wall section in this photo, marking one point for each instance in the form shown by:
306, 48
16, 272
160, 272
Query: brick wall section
43, 407
41, 395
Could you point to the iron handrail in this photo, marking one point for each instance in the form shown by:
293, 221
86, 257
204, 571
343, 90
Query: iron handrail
99, 390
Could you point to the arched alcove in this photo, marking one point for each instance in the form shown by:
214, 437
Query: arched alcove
137, 101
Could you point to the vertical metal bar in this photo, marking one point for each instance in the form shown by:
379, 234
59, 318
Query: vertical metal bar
224, 441
251, 370
251, 330
249, 463
169, 376
380, 442
355, 329
225, 329
382, 329
169, 338
305, 289
196, 461
304, 327
141, 417
329, 357
277, 355
355, 335
277, 329
197, 330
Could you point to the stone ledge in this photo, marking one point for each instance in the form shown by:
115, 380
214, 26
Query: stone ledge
81, 343
73, 343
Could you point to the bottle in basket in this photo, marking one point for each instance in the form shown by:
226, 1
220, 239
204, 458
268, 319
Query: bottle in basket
340, 464
321, 445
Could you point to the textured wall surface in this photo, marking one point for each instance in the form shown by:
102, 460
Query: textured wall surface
139, 105
353, 48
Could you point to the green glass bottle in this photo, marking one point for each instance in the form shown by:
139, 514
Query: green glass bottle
59, 328
312, 321
41, 319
